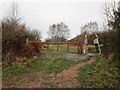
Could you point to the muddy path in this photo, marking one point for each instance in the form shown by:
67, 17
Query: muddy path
64, 79
67, 78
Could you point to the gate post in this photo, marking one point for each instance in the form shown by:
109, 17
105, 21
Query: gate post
47, 46
68, 47
80, 48
57, 47
37, 46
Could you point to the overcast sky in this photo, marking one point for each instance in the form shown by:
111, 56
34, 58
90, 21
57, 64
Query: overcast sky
39, 15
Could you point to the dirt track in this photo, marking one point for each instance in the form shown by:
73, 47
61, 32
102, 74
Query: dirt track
65, 79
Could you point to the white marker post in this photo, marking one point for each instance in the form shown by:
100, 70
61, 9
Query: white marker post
98, 44
85, 43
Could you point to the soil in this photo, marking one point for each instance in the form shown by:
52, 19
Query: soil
65, 79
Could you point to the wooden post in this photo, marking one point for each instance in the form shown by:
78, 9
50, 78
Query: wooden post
48, 47
57, 47
78, 47
67, 47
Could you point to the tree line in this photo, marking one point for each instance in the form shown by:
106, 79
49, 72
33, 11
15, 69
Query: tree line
109, 36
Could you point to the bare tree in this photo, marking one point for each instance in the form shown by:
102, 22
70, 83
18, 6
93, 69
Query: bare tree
59, 32
109, 10
89, 28
111, 38
34, 35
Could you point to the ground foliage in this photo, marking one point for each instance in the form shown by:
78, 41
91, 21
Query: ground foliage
100, 74
49, 65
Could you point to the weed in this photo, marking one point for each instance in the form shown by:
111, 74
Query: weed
96, 75
50, 84
9, 84
53, 64
13, 70
57, 64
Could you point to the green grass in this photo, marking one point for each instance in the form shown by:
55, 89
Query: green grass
73, 49
46, 52
63, 47
92, 49
97, 74
14, 70
53, 64
11, 71
49, 65
57, 64
53, 47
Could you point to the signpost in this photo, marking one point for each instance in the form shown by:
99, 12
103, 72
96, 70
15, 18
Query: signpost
98, 43
85, 43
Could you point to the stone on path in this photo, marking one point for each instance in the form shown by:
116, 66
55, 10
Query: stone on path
91, 55
76, 57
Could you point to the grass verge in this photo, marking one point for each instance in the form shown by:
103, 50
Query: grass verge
99, 74
57, 64
49, 65
14, 70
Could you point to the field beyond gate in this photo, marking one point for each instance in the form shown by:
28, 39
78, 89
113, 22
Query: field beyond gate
71, 47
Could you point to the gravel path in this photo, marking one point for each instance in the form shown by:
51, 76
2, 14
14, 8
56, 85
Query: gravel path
71, 56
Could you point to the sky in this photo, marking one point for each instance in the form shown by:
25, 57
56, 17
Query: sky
41, 14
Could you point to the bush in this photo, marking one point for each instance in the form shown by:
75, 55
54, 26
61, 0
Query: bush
14, 36
27, 51
91, 49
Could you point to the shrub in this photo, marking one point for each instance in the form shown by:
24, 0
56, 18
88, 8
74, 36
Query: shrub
14, 36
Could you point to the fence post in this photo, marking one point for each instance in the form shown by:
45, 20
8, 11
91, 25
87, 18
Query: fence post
48, 47
57, 47
80, 48
67, 47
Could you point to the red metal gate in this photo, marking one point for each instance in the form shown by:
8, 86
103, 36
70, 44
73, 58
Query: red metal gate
65, 45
